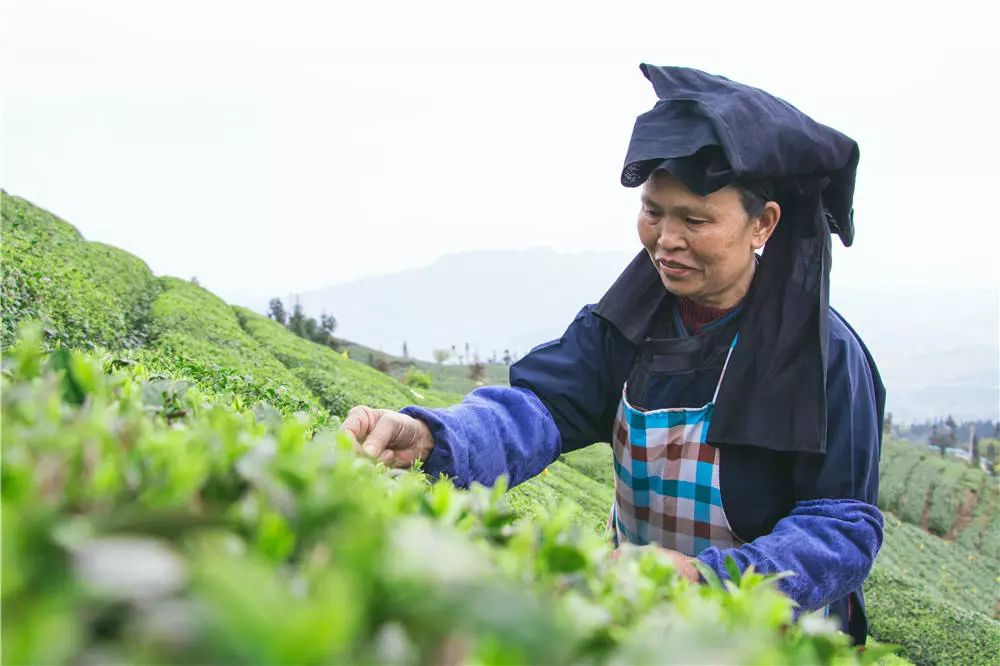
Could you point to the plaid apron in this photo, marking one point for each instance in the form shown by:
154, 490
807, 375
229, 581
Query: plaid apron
667, 476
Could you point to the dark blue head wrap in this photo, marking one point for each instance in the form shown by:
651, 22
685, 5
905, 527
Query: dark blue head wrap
709, 132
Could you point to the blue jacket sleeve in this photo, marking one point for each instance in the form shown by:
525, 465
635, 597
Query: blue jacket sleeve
495, 430
558, 401
834, 531
579, 378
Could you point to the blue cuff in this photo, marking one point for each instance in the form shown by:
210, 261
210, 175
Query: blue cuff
830, 546
494, 431
441, 459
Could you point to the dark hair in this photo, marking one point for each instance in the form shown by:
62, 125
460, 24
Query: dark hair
754, 196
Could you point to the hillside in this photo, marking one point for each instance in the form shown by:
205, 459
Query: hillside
206, 429
451, 377
88, 295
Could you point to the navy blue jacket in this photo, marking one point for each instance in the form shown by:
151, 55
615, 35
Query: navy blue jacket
813, 514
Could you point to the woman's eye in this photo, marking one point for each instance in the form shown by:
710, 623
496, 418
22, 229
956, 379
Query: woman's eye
651, 212
696, 221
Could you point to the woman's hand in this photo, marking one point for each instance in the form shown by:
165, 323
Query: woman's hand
387, 436
683, 563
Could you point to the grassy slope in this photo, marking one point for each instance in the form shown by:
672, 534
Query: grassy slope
86, 294
942, 495
446, 377
944, 568
197, 336
339, 383
930, 630
89, 294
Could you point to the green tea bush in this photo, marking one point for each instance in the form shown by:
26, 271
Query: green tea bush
989, 542
85, 294
339, 382
987, 499
562, 487
943, 569
930, 629
198, 531
897, 464
415, 378
950, 490
913, 478
946, 498
915, 500
595, 462
197, 337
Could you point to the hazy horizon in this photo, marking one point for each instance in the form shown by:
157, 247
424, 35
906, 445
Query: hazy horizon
269, 148
274, 148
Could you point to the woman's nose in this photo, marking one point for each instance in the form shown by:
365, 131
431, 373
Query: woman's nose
671, 236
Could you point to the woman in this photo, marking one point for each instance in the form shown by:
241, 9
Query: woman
744, 413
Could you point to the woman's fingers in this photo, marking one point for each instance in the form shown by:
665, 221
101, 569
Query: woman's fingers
357, 424
382, 435
387, 436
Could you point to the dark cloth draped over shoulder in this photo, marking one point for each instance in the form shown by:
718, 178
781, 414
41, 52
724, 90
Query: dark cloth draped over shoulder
710, 132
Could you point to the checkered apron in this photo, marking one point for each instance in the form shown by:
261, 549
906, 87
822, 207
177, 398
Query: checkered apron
667, 478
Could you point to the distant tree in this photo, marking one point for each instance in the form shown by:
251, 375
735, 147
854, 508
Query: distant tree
952, 430
297, 321
938, 439
194, 281
467, 356
327, 323
441, 355
310, 329
507, 359
406, 352
887, 425
974, 451
276, 311
991, 457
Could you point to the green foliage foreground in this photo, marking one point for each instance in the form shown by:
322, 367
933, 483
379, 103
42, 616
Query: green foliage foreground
138, 529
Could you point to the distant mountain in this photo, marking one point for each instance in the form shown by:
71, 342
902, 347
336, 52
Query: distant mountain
492, 299
937, 351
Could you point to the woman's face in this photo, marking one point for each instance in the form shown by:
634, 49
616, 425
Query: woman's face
702, 247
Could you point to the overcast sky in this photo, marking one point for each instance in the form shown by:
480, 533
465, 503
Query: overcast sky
272, 147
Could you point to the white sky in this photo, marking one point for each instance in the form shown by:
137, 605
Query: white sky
272, 147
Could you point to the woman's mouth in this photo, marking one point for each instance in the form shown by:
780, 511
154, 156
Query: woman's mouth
674, 269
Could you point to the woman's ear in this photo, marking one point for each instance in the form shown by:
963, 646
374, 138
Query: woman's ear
765, 224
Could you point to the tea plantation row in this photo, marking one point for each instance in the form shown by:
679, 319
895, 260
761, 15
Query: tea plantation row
943, 495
